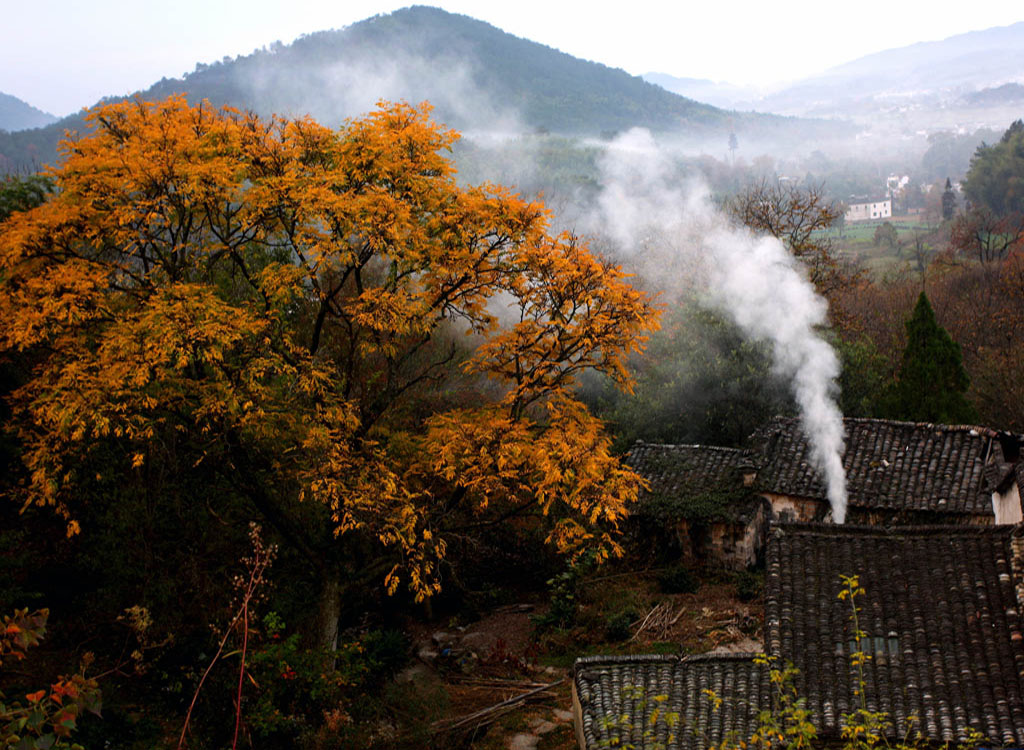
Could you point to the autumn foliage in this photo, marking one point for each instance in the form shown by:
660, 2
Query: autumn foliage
312, 315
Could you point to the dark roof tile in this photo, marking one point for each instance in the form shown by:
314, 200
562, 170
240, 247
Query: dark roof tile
941, 614
688, 468
891, 465
659, 701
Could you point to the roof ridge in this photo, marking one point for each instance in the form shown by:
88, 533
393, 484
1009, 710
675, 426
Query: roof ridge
957, 427
689, 445
597, 660
832, 529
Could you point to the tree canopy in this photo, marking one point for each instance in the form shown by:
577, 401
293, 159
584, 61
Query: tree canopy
995, 180
318, 315
931, 383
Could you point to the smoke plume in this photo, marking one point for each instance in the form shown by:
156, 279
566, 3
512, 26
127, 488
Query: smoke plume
754, 280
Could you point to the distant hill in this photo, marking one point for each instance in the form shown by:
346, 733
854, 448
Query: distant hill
1008, 93
18, 115
924, 73
478, 77
718, 94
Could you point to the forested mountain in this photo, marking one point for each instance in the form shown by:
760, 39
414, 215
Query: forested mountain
18, 115
478, 77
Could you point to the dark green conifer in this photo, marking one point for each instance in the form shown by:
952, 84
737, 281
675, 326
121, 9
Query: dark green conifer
932, 383
948, 201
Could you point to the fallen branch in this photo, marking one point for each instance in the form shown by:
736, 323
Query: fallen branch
495, 682
486, 715
643, 623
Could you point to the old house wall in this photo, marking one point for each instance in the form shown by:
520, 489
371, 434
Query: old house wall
738, 546
1006, 505
794, 508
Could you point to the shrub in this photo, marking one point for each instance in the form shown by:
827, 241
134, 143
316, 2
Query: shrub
678, 580
617, 626
748, 585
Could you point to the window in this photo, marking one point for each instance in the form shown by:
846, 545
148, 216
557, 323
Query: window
874, 646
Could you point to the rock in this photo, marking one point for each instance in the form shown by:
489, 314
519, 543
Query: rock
482, 643
426, 654
415, 673
542, 726
523, 742
562, 715
443, 639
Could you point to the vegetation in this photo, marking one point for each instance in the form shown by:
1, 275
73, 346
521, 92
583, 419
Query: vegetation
795, 216
995, 180
46, 718
20, 193
678, 579
228, 319
931, 383
210, 319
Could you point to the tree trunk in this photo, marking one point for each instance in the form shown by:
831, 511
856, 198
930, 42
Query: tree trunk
330, 613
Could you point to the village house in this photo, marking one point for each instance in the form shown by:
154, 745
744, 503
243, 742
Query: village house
940, 610
896, 472
866, 209
712, 504
701, 503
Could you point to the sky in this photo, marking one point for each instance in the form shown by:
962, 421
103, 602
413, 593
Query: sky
61, 55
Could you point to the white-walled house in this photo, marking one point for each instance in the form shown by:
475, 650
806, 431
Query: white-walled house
867, 209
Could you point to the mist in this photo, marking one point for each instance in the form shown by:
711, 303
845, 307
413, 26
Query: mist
754, 281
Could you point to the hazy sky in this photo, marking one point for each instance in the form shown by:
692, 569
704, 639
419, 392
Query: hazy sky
60, 55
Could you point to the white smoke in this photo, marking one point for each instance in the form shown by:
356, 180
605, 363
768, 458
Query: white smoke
755, 280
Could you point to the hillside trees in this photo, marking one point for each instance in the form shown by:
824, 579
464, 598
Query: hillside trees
931, 383
19, 193
795, 216
995, 180
319, 325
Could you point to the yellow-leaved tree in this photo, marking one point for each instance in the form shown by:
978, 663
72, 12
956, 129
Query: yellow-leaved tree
322, 320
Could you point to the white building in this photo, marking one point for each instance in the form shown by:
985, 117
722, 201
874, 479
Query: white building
866, 209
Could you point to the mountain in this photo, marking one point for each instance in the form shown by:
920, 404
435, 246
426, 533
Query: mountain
478, 77
1008, 93
926, 75
726, 95
18, 115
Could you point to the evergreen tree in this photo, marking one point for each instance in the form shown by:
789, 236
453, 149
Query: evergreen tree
931, 383
948, 201
995, 180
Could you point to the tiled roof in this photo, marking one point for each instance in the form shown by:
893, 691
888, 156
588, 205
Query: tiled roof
894, 465
681, 472
673, 469
940, 611
658, 701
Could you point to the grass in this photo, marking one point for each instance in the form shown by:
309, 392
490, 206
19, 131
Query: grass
857, 242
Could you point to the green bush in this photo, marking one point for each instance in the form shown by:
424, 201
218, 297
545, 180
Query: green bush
748, 585
565, 590
617, 626
678, 580
385, 652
